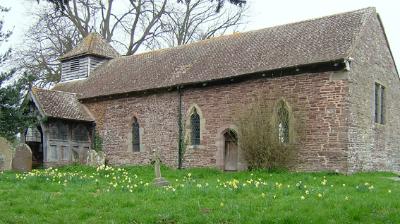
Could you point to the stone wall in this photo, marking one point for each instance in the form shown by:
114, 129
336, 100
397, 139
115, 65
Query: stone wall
319, 100
157, 118
373, 146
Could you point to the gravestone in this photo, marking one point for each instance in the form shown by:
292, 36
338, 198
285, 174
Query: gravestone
94, 158
5, 154
22, 160
159, 180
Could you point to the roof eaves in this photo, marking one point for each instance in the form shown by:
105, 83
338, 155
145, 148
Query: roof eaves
36, 102
241, 76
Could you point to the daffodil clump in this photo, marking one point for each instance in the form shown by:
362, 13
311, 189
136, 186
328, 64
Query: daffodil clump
198, 195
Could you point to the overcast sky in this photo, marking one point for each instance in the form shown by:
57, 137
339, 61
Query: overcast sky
262, 14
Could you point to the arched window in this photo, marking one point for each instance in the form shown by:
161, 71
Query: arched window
195, 128
283, 122
135, 135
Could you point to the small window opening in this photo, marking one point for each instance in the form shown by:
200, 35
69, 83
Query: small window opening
195, 128
379, 104
283, 123
135, 135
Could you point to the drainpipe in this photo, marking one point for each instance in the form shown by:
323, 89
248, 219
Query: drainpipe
180, 130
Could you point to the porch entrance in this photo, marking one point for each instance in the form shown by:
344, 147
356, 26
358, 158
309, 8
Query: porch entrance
34, 139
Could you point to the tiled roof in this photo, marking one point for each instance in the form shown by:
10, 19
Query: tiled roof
57, 104
93, 44
319, 40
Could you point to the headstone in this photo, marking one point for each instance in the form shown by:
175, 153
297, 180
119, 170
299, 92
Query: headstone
5, 154
94, 158
22, 160
80, 155
159, 180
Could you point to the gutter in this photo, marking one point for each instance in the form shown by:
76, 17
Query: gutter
333, 65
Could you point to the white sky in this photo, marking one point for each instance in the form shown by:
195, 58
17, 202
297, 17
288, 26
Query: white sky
262, 14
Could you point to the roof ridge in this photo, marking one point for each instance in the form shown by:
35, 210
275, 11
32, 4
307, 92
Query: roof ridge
52, 90
246, 32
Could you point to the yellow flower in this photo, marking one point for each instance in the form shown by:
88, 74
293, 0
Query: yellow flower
221, 204
307, 192
302, 197
344, 185
320, 195
189, 174
346, 198
389, 191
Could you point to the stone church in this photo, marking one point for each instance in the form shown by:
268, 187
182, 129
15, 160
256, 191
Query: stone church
337, 71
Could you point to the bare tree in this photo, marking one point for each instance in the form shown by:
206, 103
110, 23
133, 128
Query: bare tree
128, 25
49, 38
195, 20
138, 23
60, 4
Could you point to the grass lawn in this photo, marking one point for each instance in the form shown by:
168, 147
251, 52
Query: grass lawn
78, 194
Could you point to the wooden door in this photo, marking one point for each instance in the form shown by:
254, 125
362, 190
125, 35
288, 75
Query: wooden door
231, 153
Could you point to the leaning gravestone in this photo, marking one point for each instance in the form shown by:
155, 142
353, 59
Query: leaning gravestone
5, 154
22, 160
